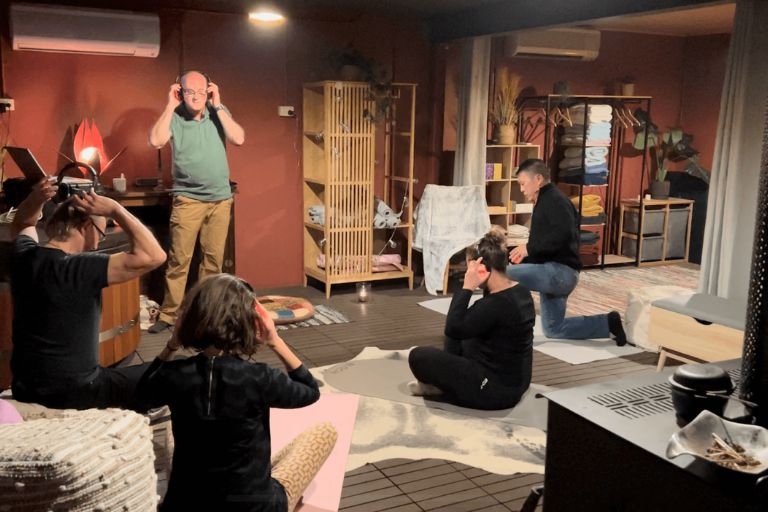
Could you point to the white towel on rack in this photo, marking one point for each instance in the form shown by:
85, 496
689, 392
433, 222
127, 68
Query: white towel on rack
448, 219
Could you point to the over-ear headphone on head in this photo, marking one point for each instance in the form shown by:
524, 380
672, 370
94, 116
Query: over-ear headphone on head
186, 72
66, 190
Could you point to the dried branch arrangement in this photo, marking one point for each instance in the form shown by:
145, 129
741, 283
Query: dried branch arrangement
728, 454
507, 90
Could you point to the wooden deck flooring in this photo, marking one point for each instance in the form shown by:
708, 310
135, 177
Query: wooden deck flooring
393, 320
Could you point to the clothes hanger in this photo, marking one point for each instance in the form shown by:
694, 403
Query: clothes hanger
632, 118
624, 122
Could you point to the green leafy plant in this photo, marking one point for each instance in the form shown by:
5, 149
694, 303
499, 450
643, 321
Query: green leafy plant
668, 147
377, 75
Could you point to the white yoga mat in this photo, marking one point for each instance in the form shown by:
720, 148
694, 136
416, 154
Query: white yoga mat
570, 351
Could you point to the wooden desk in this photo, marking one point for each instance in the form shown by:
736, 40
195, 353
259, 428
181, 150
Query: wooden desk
139, 197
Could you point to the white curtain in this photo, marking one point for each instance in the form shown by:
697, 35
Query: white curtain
472, 118
732, 202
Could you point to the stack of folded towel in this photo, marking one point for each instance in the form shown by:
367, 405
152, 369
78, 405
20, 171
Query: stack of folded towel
517, 234
589, 167
591, 210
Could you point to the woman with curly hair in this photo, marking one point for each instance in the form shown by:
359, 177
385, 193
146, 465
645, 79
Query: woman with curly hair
220, 402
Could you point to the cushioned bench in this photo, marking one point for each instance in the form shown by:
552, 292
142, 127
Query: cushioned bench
697, 328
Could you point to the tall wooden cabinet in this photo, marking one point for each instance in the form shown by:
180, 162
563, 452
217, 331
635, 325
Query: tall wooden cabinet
339, 154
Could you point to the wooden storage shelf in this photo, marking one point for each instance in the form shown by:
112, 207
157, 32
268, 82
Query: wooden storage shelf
339, 173
665, 235
499, 192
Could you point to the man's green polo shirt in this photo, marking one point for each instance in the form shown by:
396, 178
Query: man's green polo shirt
200, 168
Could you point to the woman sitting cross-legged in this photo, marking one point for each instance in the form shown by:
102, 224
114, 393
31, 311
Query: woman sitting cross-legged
487, 357
220, 404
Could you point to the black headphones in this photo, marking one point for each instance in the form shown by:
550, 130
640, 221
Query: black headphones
67, 190
188, 71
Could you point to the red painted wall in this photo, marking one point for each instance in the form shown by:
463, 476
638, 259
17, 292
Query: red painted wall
257, 70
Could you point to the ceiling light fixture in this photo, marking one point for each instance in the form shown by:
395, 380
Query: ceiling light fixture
266, 16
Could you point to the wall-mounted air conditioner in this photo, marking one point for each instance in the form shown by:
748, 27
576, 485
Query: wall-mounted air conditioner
559, 43
48, 28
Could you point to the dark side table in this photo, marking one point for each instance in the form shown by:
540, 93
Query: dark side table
606, 451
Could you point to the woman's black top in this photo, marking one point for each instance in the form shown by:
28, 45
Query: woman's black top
220, 413
497, 331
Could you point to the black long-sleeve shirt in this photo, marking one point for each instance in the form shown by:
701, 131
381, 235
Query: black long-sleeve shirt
220, 413
554, 234
497, 332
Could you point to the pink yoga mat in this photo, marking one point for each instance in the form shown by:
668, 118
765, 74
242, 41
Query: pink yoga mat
324, 492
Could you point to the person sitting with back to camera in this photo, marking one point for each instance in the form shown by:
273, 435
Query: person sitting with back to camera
57, 290
487, 358
220, 404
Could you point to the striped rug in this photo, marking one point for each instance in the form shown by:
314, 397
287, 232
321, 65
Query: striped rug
600, 291
323, 316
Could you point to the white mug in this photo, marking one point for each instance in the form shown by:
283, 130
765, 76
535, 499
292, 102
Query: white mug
119, 184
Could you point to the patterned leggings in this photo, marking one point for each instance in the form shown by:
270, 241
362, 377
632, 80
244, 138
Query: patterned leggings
297, 464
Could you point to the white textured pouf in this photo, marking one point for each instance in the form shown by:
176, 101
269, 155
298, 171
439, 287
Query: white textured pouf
94, 460
637, 315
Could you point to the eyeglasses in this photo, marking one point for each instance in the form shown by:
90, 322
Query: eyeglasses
102, 234
192, 92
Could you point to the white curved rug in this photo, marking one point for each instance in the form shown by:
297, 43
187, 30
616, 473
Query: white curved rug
389, 429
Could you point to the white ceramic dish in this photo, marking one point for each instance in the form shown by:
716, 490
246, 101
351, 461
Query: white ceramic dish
696, 437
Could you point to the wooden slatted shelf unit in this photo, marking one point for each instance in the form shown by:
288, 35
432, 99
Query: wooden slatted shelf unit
339, 153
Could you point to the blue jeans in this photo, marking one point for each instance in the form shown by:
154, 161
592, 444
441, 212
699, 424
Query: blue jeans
555, 282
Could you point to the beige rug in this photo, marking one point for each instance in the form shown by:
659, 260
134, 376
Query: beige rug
386, 429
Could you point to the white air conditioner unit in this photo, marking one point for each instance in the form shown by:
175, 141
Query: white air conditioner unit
559, 43
47, 28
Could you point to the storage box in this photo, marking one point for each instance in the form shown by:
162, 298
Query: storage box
677, 232
489, 171
652, 246
653, 222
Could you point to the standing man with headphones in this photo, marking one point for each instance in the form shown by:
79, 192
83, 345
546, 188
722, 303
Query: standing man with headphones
198, 126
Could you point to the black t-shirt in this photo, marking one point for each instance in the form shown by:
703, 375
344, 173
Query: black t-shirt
497, 331
56, 315
220, 415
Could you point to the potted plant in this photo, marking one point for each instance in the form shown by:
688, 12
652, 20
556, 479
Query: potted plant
349, 64
627, 85
503, 113
670, 147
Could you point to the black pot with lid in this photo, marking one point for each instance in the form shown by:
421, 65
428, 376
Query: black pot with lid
698, 387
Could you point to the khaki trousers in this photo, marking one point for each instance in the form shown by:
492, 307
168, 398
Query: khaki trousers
190, 218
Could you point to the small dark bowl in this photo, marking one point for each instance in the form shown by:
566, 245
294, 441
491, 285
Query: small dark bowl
692, 388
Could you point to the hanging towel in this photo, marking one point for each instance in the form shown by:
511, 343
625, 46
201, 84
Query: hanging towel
448, 219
